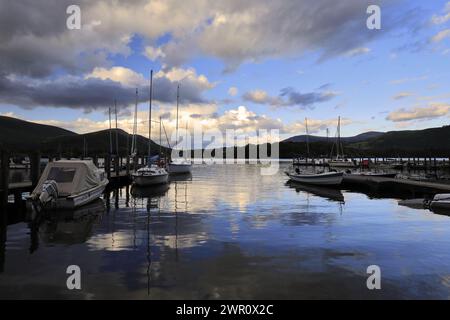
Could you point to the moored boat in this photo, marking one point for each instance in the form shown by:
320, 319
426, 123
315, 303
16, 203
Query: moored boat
151, 175
440, 201
179, 167
68, 184
324, 178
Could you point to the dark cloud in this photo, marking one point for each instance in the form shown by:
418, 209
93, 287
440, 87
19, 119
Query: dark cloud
289, 97
88, 94
295, 98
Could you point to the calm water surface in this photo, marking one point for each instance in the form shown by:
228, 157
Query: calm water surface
228, 232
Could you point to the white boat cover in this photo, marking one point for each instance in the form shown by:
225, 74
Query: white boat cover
72, 176
442, 197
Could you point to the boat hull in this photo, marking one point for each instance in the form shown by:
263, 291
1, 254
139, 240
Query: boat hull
323, 179
150, 180
74, 201
176, 168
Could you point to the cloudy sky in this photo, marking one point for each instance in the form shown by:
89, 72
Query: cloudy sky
246, 65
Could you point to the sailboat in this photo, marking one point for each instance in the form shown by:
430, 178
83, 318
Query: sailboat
179, 166
315, 178
151, 174
340, 160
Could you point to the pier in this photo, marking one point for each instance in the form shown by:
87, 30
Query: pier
389, 185
118, 171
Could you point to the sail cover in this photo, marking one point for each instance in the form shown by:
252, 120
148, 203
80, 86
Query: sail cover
72, 176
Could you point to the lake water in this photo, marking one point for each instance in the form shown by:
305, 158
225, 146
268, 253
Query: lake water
227, 232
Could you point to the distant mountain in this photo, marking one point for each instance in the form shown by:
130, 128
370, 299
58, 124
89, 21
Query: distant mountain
97, 143
358, 138
427, 142
20, 135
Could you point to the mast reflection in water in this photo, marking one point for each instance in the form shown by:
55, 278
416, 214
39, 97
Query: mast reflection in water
228, 232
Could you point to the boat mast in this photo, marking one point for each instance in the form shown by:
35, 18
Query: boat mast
178, 97
117, 133
160, 137
307, 138
110, 132
150, 118
339, 136
133, 141
186, 136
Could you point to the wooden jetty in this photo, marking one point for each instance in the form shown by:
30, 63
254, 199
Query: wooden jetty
381, 183
117, 172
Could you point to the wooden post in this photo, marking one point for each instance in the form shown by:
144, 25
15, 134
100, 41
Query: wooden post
128, 165
108, 166
4, 181
35, 160
116, 166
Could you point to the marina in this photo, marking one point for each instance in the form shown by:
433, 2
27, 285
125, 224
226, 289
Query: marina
202, 236
240, 152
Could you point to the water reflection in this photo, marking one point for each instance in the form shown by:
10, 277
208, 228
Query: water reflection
66, 227
328, 193
228, 232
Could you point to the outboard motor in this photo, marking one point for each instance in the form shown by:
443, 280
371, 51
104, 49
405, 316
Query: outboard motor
49, 192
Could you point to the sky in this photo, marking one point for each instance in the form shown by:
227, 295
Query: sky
242, 65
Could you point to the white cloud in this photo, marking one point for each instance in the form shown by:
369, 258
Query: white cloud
441, 35
233, 91
180, 75
123, 75
154, 53
408, 79
440, 19
357, 52
402, 95
433, 110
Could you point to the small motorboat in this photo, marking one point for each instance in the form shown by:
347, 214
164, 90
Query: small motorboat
68, 184
180, 166
149, 176
440, 201
324, 178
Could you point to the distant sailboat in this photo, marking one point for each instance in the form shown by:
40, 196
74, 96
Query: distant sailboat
340, 160
178, 166
151, 174
314, 178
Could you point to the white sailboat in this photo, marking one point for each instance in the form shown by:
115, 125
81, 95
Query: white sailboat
178, 166
340, 160
151, 174
323, 179
315, 178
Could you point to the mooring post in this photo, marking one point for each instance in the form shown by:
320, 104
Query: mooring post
35, 171
108, 166
128, 165
4, 180
116, 166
